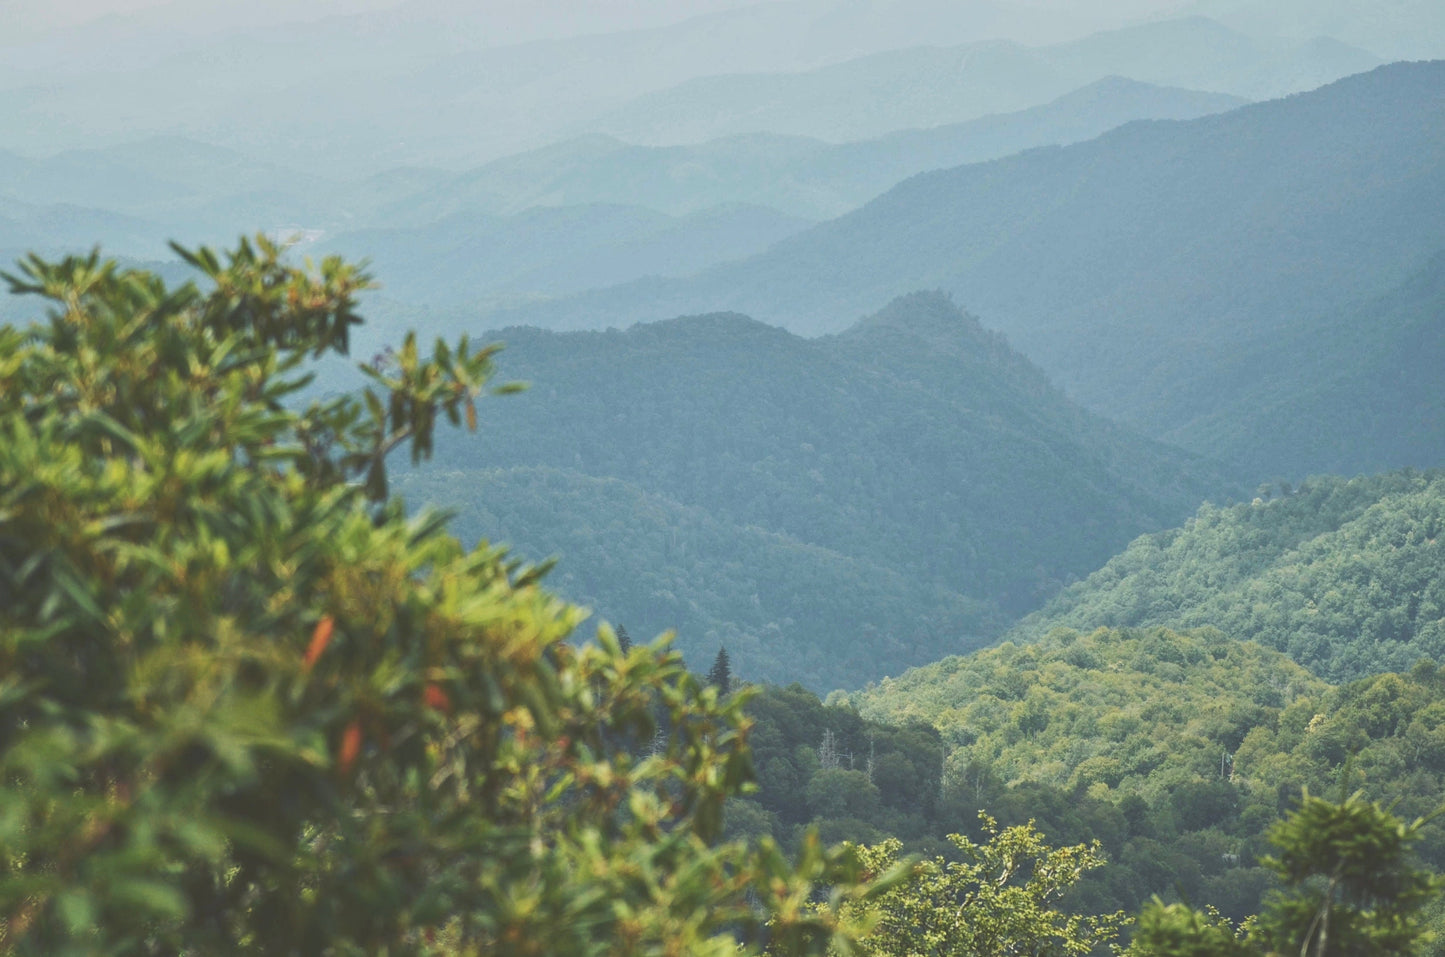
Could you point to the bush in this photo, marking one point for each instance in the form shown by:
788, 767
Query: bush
247, 705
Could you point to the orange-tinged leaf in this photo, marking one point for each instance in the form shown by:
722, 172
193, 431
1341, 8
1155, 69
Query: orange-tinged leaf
320, 638
437, 699
350, 746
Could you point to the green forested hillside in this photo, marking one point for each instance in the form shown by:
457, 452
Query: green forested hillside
1147, 270
916, 442
1346, 576
1140, 709
785, 610
1176, 750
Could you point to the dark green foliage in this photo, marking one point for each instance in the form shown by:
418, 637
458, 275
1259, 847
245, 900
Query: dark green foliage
248, 706
1346, 576
855, 779
1351, 885
915, 454
720, 675
1351, 888
786, 610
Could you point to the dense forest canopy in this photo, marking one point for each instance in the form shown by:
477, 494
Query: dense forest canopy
1346, 576
833, 509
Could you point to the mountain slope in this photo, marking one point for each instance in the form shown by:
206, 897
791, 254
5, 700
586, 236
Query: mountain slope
1347, 576
917, 441
785, 611
1143, 270
1355, 392
1176, 750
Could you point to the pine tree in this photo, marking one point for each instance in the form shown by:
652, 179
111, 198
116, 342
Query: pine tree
624, 640
720, 675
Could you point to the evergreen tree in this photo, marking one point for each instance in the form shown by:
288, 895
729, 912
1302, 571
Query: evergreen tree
1352, 888
624, 640
720, 675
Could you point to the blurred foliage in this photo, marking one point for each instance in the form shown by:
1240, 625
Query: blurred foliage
248, 706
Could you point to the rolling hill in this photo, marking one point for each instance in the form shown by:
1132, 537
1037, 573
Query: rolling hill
547, 251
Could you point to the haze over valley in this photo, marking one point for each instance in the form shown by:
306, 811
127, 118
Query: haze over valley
1040, 398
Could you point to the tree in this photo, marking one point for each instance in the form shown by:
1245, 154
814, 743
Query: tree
720, 675
624, 640
1001, 897
1351, 888
248, 705
1351, 883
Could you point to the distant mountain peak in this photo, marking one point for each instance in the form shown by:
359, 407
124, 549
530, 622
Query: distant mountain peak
927, 314
727, 326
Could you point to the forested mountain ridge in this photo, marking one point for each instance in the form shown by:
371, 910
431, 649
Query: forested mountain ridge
917, 441
1353, 392
1143, 270
1347, 576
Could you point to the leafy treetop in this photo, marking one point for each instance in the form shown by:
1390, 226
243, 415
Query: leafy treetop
248, 706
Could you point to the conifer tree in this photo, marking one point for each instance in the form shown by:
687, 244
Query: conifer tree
720, 675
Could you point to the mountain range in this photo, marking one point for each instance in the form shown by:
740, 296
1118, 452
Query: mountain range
916, 443
1146, 271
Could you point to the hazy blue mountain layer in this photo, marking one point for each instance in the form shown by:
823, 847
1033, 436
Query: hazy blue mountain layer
798, 175
1397, 29
1146, 270
925, 86
450, 86
548, 251
1354, 392
456, 83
